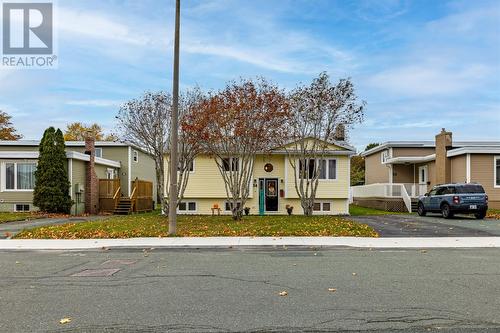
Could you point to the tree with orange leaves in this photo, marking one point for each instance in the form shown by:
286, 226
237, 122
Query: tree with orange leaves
7, 130
233, 125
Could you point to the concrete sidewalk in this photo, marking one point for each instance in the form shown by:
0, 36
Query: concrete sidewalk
235, 242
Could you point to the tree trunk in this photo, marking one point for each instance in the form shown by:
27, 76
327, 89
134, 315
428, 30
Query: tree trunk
160, 182
307, 206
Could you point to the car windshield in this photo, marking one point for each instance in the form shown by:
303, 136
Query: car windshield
470, 189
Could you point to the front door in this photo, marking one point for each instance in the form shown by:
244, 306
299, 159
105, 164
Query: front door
269, 199
422, 175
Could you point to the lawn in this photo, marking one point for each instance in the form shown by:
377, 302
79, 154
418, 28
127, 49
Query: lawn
359, 211
154, 225
13, 216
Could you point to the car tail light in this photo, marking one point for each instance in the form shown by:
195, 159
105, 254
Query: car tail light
486, 198
456, 199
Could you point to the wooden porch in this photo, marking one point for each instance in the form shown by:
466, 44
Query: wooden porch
111, 199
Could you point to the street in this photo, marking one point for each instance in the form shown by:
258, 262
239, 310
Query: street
238, 290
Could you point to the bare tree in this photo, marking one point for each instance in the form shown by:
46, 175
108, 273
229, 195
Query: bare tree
318, 113
145, 122
235, 124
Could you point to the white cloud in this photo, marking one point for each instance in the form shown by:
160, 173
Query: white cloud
429, 79
95, 102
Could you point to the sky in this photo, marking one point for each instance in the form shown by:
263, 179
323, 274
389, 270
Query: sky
419, 65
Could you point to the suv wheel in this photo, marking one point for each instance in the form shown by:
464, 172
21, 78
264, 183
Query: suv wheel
480, 215
446, 211
420, 209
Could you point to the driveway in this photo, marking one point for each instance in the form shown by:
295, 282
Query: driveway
432, 225
10, 229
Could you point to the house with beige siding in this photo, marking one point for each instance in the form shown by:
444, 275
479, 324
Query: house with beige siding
119, 163
397, 172
272, 186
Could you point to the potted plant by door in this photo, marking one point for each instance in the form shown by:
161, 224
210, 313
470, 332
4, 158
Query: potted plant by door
247, 210
289, 209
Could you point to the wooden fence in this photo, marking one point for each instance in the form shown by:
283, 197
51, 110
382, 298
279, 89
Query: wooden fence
109, 194
141, 195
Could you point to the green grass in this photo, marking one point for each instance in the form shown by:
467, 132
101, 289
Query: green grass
13, 216
359, 211
154, 225
493, 213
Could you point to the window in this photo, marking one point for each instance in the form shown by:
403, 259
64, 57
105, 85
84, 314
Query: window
98, 152
190, 168
135, 156
384, 156
328, 169
187, 207
22, 207
20, 176
228, 206
470, 188
322, 206
111, 174
497, 171
230, 164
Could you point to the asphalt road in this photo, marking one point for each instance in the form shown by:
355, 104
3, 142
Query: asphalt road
432, 225
231, 290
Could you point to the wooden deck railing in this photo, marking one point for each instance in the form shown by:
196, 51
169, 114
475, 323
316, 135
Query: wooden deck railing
141, 195
109, 194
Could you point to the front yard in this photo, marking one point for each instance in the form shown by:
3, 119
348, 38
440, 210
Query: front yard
154, 225
12, 216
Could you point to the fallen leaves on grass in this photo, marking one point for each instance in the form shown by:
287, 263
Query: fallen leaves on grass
283, 293
65, 321
332, 290
154, 225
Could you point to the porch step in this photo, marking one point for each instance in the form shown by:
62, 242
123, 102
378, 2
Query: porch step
414, 205
124, 207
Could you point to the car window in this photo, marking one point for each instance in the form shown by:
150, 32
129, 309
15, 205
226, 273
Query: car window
451, 190
433, 191
440, 191
470, 188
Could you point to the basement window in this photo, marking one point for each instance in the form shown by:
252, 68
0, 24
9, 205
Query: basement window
322, 206
187, 207
22, 208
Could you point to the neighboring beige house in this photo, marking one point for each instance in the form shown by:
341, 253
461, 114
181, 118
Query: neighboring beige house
117, 161
272, 185
398, 170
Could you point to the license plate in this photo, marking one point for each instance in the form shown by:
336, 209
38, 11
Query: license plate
473, 207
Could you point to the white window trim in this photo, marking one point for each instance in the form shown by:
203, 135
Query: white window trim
231, 164
495, 159
321, 211
190, 172
384, 156
187, 211
326, 171
22, 211
98, 149
3, 176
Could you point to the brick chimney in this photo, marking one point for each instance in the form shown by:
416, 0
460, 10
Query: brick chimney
443, 163
339, 134
91, 180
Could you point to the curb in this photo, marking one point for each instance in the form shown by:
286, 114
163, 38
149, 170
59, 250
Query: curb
250, 242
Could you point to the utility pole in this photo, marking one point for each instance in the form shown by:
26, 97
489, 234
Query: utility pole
172, 212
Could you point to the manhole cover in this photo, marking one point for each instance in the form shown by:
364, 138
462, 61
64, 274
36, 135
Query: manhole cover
114, 262
97, 272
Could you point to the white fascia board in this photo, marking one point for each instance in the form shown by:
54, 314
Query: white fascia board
326, 152
19, 154
111, 163
398, 144
410, 159
473, 150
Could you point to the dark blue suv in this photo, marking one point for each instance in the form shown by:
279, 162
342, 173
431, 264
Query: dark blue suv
449, 199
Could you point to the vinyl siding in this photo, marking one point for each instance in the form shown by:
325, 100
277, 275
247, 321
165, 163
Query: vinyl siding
375, 171
204, 205
77, 177
206, 186
459, 169
144, 169
404, 173
396, 152
9, 198
482, 172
